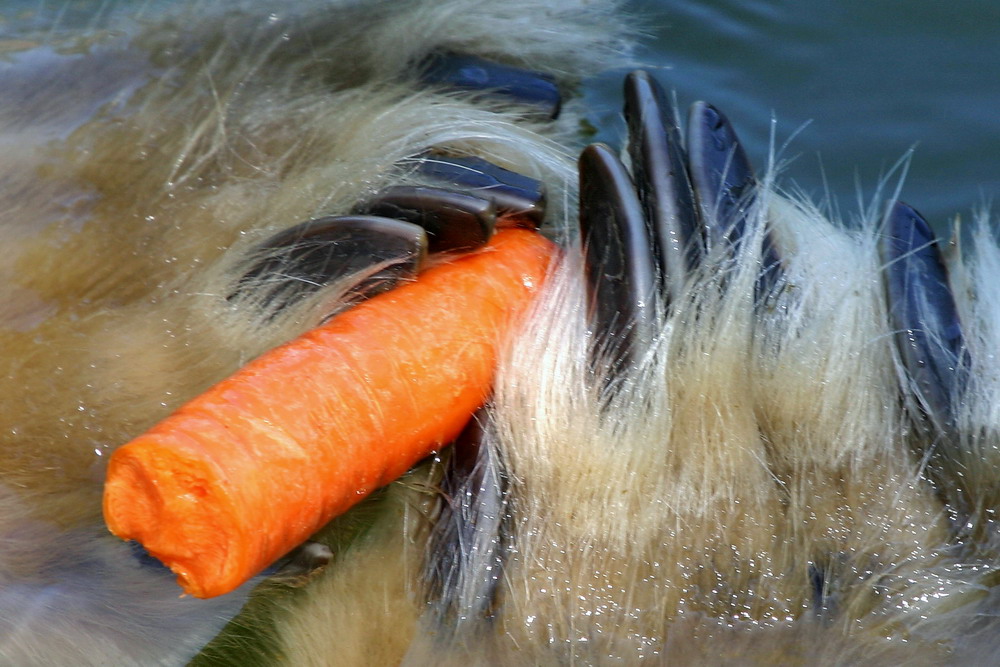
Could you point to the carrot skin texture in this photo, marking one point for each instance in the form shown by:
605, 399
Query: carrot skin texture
243, 473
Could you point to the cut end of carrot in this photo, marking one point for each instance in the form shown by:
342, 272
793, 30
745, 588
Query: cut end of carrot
179, 517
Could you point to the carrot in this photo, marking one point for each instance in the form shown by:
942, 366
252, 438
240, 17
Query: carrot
248, 470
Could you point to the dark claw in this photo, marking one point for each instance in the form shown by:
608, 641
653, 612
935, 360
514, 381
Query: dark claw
377, 253
510, 192
721, 174
661, 179
618, 258
466, 550
517, 85
922, 313
452, 220
931, 347
724, 186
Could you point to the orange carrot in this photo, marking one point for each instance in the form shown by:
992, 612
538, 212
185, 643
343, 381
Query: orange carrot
248, 470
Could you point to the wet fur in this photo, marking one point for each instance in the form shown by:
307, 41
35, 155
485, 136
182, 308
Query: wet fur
747, 493
133, 207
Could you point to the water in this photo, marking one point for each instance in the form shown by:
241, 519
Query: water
864, 82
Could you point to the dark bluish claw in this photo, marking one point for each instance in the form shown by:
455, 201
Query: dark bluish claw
659, 167
724, 186
922, 313
377, 253
931, 347
721, 173
466, 550
618, 258
452, 220
517, 85
510, 192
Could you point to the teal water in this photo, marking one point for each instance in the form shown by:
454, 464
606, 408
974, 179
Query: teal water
858, 83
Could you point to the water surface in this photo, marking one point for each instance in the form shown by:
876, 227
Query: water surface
861, 83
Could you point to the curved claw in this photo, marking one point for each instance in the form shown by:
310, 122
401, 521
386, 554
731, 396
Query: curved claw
520, 86
659, 166
466, 550
376, 252
452, 220
923, 315
724, 186
721, 174
512, 194
618, 257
